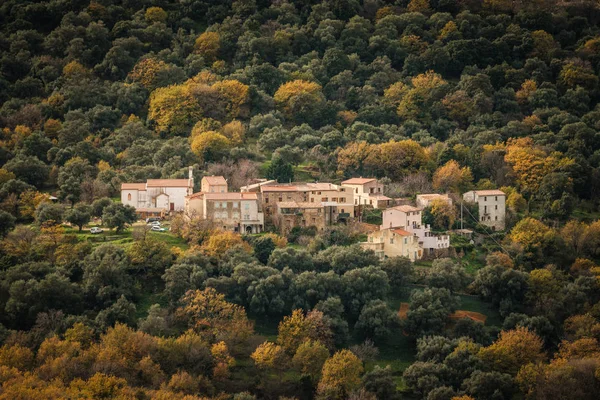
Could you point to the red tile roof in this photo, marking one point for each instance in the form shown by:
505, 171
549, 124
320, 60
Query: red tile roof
133, 186
406, 208
357, 181
401, 232
215, 180
168, 183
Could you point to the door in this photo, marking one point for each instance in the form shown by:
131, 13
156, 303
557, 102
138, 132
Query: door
172, 206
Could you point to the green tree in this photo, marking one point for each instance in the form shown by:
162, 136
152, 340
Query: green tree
7, 223
377, 321
280, 170
79, 215
118, 216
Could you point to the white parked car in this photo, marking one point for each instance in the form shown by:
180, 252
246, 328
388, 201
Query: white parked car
96, 230
157, 228
154, 223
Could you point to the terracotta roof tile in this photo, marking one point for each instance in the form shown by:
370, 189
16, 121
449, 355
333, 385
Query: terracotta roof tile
168, 183
215, 180
133, 186
357, 181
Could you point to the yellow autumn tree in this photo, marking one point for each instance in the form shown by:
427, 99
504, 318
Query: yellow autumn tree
340, 376
235, 131
426, 89
29, 201
6, 176
527, 89
205, 125
310, 357
512, 350
236, 96
448, 29
208, 45
530, 233
210, 146
543, 45
174, 109
397, 159
452, 178
52, 127
421, 6
443, 213
152, 73
155, 14
210, 315
75, 70
395, 92
223, 360
269, 355
353, 158
531, 163
299, 98
218, 243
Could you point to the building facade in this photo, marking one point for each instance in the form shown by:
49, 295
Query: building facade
237, 212
164, 195
394, 242
292, 214
367, 192
213, 184
409, 218
492, 207
273, 193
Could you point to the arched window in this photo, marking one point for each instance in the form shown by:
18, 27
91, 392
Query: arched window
129, 196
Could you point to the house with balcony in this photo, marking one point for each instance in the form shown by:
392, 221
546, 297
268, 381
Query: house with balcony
236, 212
393, 242
368, 192
492, 207
409, 218
272, 193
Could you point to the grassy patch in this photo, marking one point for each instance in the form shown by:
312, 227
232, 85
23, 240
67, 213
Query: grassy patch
146, 301
170, 239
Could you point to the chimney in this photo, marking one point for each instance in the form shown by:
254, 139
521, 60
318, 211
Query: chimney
191, 180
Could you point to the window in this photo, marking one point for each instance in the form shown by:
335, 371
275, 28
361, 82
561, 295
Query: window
496, 218
266, 199
343, 210
236, 215
324, 199
342, 199
246, 206
129, 196
405, 241
485, 209
235, 204
485, 198
281, 199
391, 240
496, 198
314, 220
496, 207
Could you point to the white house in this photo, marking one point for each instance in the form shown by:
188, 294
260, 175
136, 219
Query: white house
368, 192
492, 207
158, 195
409, 218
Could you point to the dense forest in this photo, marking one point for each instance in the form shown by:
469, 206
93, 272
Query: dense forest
427, 95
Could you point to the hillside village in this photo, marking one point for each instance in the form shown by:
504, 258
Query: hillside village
266, 205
